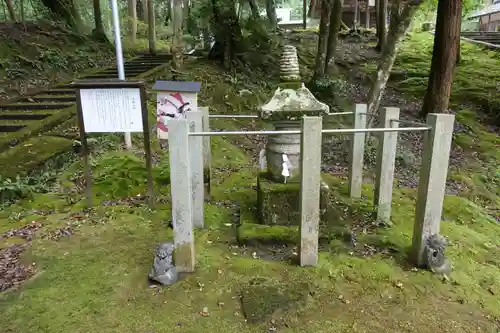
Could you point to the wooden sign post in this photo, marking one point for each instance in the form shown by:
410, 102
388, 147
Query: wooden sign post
108, 107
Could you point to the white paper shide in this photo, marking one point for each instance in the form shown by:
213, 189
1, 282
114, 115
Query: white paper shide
111, 110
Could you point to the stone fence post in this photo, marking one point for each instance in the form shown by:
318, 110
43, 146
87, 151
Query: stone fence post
386, 160
180, 183
310, 178
357, 151
196, 167
431, 189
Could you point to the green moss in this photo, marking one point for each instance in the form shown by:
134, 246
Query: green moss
122, 174
260, 301
24, 158
5, 242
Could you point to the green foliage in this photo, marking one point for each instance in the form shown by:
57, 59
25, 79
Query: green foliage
122, 175
474, 82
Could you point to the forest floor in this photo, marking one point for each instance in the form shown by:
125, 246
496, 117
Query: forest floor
35, 56
68, 268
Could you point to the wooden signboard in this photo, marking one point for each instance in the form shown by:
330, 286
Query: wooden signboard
174, 99
108, 107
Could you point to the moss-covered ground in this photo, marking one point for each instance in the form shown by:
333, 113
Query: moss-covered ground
95, 279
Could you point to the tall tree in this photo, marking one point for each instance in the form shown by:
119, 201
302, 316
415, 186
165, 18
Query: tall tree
444, 56
367, 14
254, 8
401, 16
151, 27
381, 8
132, 19
271, 13
66, 11
356, 15
333, 35
324, 29
21, 3
177, 42
10, 9
227, 32
168, 12
142, 10
99, 27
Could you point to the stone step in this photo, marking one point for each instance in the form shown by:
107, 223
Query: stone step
35, 106
56, 91
10, 128
49, 98
23, 116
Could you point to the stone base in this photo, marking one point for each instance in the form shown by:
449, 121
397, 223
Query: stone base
279, 204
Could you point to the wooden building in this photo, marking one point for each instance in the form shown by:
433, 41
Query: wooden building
489, 17
348, 12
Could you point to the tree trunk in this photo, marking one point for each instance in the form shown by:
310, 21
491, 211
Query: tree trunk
324, 29
65, 10
185, 10
177, 43
335, 18
398, 26
381, 24
10, 9
254, 8
271, 13
99, 27
356, 16
132, 19
168, 12
304, 14
227, 33
151, 27
22, 11
444, 56
367, 14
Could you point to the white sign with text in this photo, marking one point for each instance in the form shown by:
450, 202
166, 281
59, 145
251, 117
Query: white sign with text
111, 110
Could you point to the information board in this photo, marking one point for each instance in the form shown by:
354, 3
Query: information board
107, 110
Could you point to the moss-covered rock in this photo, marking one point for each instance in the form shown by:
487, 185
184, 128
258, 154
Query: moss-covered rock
24, 158
279, 204
251, 232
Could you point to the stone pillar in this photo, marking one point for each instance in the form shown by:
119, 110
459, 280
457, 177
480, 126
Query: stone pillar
196, 167
357, 151
431, 189
310, 178
386, 160
180, 183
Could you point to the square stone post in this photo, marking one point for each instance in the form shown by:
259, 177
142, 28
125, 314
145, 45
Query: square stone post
310, 177
207, 150
196, 167
432, 184
180, 182
357, 151
386, 160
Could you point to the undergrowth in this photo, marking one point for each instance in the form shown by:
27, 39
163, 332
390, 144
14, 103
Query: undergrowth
475, 81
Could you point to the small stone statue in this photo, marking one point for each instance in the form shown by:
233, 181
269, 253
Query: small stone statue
163, 270
434, 253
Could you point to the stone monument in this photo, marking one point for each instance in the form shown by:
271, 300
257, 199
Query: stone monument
278, 188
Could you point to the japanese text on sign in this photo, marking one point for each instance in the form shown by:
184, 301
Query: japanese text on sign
111, 110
